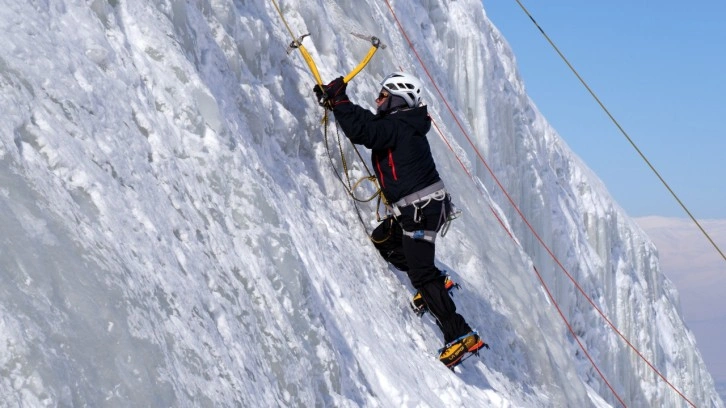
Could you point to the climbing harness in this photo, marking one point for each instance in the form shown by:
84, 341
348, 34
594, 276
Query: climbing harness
419, 200
435, 191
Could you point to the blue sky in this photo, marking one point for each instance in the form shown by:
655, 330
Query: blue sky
658, 67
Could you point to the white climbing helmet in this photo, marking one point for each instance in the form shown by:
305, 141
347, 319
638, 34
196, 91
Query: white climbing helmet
404, 85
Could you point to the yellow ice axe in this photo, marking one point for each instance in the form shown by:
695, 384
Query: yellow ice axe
297, 43
375, 44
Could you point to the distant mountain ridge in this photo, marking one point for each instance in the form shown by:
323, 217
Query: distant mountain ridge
696, 268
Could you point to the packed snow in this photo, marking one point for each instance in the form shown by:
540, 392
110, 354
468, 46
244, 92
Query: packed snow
174, 233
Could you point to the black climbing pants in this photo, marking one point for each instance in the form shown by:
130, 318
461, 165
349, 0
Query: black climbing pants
416, 258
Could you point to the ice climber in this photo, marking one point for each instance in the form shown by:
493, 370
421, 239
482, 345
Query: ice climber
406, 172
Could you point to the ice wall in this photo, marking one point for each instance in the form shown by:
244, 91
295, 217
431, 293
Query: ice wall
174, 233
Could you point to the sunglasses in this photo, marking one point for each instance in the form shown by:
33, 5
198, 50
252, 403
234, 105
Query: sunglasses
382, 95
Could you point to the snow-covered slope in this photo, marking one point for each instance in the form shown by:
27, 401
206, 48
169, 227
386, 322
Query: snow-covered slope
174, 233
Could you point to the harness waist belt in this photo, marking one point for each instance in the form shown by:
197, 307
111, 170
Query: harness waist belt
421, 195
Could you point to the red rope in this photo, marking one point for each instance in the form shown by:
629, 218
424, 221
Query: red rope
536, 235
539, 276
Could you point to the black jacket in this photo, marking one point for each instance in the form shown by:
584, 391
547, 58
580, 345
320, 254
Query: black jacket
400, 152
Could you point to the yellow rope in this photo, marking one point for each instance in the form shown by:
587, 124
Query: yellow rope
372, 179
297, 43
375, 44
282, 17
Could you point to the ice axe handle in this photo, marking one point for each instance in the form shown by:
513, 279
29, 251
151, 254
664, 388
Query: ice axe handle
311, 64
375, 44
297, 44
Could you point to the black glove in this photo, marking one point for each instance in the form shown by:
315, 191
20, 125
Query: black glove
331, 94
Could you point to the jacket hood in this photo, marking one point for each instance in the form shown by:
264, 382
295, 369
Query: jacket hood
417, 118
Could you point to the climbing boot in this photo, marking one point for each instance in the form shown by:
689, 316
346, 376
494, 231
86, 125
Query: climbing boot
419, 306
455, 351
